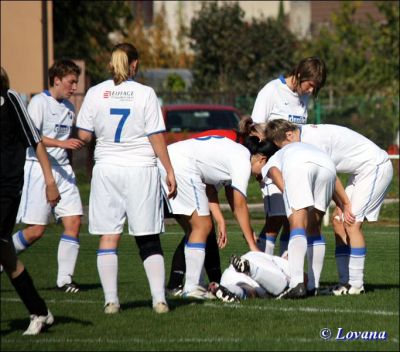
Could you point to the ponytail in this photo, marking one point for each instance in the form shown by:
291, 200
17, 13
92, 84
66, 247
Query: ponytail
121, 57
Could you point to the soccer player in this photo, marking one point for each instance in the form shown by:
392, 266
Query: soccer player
285, 98
254, 274
17, 133
202, 166
299, 166
371, 172
54, 117
126, 118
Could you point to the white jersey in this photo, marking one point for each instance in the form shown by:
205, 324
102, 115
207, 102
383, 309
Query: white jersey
122, 117
293, 155
220, 161
53, 119
277, 101
350, 151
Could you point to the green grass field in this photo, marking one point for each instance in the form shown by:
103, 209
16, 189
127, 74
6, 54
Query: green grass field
252, 325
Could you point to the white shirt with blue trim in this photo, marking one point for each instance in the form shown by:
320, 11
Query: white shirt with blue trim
122, 117
277, 101
53, 119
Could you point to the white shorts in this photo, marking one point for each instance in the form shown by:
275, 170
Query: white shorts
309, 186
120, 192
191, 195
367, 191
273, 199
34, 208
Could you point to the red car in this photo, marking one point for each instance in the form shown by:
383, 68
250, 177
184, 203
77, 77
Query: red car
196, 120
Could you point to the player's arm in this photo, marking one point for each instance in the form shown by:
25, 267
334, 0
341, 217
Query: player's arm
276, 176
238, 204
216, 212
343, 202
71, 143
160, 149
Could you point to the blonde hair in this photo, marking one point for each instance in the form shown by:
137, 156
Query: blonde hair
276, 130
248, 128
121, 57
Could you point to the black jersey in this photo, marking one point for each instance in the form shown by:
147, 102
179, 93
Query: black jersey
17, 132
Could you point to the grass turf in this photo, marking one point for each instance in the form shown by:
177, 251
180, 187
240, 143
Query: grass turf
252, 325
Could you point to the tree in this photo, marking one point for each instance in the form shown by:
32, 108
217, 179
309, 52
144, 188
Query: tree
363, 70
232, 55
82, 31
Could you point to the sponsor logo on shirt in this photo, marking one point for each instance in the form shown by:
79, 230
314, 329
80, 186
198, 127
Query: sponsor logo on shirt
297, 119
61, 129
123, 95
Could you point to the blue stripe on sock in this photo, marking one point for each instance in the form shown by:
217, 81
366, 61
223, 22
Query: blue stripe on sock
358, 252
106, 251
297, 232
315, 240
197, 245
67, 238
22, 239
267, 238
342, 251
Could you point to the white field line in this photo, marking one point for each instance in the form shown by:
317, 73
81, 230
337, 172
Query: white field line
192, 340
239, 306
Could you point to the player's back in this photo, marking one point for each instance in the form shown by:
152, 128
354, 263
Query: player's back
122, 117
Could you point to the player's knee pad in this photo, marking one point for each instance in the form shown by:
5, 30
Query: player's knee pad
148, 245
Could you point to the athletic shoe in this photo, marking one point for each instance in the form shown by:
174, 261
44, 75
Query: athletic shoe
161, 307
198, 293
72, 288
111, 308
240, 264
38, 322
294, 293
225, 295
348, 290
175, 292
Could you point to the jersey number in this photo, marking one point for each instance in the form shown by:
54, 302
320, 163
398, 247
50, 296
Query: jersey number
124, 113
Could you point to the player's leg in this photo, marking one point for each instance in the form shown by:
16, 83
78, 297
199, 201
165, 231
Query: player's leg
342, 251
67, 254
153, 261
107, 266
212, 263
178, 269
315, 250
195, 249
23, 239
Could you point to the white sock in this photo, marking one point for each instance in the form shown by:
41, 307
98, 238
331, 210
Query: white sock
67, 255
356, 266
342, 255
315, 260
296, 251
155, 272
194, 258
266, 243
20, 243
107, 266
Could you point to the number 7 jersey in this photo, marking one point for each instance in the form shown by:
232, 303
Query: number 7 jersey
122, 117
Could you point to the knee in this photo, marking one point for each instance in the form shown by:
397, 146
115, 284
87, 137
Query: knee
148, 246
72, 226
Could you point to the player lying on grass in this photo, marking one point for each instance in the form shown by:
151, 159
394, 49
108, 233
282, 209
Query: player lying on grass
370, 171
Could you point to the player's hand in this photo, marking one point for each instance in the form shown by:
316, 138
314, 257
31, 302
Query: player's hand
52, 194
172, 186
222, 237
348, 216
72, 143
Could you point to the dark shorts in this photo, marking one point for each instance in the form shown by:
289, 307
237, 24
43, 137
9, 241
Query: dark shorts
9, 208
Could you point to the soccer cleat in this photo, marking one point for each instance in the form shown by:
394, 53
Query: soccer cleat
111, 308
198, 293
175, 292
296, 292
356, 291
38, 322
223, 294
72, 288
161, 307
347, 289
240, 264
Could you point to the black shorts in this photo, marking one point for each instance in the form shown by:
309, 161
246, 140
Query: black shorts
9, 209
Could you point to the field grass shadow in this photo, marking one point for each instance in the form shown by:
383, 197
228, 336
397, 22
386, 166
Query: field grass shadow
172, 303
